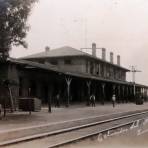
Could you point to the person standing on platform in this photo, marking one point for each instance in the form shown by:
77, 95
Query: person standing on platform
57, 102
92, 100
113, 100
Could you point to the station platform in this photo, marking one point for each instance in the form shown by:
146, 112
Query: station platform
18, 120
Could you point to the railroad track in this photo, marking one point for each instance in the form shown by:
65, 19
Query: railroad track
78, 132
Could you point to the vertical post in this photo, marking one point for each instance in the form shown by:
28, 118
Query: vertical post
127, 94
132, 93
143, 93
49, 104
88, 85
146, 92
123, 94
119, 95
103, 90
29, 100
133, 77
29, 105
4, 105
50, 91
134, 90
68, 81
11, 98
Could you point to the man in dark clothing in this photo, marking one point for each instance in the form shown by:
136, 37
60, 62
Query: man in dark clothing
92, 100
57, 101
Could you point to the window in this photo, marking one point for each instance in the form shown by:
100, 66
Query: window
91, 67
67, 62
98, 69
102, 70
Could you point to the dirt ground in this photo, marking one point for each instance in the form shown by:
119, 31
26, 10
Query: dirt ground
23, 119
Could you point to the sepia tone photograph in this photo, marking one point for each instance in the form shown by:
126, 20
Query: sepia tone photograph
73, 74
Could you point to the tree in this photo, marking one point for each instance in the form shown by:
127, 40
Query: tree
13, 24
13, 30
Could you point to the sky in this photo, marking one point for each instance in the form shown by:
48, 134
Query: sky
120, 26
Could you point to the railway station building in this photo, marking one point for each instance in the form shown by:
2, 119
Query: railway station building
71, 73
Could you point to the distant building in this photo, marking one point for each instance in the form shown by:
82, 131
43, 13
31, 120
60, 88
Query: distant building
73, 60
73, 74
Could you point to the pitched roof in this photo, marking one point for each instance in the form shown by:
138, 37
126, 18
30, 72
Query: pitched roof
58, 52
64, 52
32, 64
55, 69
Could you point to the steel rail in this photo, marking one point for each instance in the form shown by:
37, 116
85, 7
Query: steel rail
47, 134
90, 135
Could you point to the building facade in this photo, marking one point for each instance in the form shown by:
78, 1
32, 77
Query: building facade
70, 59
73, 74
97, 74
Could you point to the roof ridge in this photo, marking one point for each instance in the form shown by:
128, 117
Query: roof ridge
55, 49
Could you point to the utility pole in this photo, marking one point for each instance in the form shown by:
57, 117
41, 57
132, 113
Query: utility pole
134, 70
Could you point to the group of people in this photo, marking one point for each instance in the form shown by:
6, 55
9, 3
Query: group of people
92, 100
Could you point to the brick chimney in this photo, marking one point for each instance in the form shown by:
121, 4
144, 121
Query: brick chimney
94, 49
118, 60
103, 54
112, 57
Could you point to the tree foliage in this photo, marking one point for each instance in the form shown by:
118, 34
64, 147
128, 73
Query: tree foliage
13, 23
